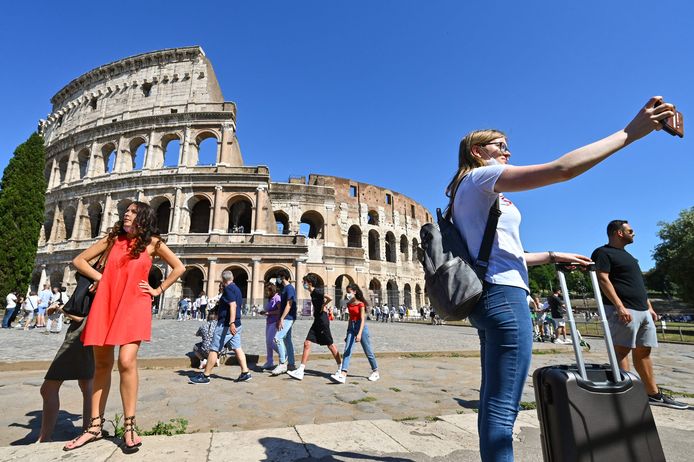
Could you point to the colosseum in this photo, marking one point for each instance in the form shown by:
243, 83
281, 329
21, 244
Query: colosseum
156, 128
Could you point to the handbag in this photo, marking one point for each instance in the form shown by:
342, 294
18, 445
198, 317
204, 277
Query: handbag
81, 299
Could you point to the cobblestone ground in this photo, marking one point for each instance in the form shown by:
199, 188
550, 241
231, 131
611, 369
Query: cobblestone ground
412, 385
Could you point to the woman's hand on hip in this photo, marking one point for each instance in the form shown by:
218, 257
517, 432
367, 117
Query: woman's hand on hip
146, 288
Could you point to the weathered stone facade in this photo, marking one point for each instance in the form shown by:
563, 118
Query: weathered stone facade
133, 130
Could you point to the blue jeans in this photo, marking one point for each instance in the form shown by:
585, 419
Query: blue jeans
283, 340
352, 331
6, 320
505, 330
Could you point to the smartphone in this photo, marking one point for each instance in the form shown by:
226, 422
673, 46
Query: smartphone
673, 125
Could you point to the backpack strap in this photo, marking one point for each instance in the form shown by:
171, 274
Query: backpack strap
482, 263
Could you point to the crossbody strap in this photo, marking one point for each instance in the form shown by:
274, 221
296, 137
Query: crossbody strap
101, 262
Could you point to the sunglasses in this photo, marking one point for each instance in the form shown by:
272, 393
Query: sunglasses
503, 147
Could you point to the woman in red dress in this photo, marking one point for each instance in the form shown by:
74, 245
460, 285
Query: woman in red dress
121, 313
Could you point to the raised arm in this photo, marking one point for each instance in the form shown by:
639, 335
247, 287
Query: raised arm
572, 164
81, 261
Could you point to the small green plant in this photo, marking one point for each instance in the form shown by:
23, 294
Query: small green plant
175, 426
405, 419
680, 394
528, 405
395, 389
460, 411
432, 418
365, 399
437, 401
417, 355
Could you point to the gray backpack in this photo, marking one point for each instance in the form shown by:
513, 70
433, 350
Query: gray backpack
452, 278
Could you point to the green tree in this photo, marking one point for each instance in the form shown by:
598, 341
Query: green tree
22, 193
674, 256
543, 278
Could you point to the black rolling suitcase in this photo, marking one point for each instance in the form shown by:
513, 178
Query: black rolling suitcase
593, 412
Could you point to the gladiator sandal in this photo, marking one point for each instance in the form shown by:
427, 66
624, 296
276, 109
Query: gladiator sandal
129, 427
96, 434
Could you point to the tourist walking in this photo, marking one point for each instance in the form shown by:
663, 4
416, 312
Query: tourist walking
30, 307
357, 331
10, 309
45, 297
121, 312
283, 337
319, 332
272, 312
501, 315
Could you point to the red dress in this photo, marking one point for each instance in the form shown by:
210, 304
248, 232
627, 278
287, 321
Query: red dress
121, 313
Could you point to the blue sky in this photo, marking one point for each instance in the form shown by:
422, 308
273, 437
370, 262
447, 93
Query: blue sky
382, 91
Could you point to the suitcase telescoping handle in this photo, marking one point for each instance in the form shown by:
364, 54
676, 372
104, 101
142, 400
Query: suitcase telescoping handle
565, 268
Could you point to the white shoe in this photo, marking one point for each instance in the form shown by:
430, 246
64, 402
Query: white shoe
297, 374
280, 369
203, 363
338, 377
374, 376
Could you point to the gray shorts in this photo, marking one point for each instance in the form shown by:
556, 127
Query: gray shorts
639, 332
222, 336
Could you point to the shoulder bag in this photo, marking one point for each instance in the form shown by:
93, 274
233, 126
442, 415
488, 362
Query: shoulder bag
81, 299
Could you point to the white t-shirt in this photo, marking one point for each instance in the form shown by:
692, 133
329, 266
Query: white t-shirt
473, 199
11, 301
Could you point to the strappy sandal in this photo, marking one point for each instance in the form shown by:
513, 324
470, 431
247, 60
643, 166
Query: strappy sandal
129, 427
96, 434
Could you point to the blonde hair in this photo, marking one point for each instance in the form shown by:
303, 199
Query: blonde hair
468, 162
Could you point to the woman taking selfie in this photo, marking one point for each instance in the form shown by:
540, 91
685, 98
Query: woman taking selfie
121, 312
501, 315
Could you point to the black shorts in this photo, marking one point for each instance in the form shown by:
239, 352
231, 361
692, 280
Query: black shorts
319, 332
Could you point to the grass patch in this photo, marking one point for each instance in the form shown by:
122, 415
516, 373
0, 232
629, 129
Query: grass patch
395, 389
417, 355
679, 394
438, 401
460, 412
365, 399
432, 418
551, 351
405, 419
354, 383
177, 426
528, 405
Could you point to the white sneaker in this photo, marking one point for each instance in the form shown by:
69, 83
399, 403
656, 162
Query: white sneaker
280, 369
374, 376
203, 363
338, 377
297, 374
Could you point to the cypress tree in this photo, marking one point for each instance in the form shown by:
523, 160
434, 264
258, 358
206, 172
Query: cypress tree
22, 194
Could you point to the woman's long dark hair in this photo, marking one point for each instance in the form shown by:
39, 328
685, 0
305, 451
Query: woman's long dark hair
358, 294
144, 229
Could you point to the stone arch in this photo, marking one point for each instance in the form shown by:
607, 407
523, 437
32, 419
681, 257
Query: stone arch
240, 214
415, 247
375, 292
393, 293
407, 296
83, 162
314, 222
138, 148
354, 236
193, 282
240, 279
374, 245
57, 278
390, 247
63, 164
341, 283
206, 152
108, 153
162, 209
276, 271
200, 212
171, 151
47, 173
96, 215
404, 248
372, 218
69, 218
48, 224
282, 221
418, 295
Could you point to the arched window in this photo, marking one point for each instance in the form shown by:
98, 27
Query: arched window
415, 247
162, 209
240, 212
418, 295
354, 236
282, 220
393, 293
408, 296
240, 279
57, 278
390, 247
109, 154
404, 248
275, 272
138, 148
311, 225
62, 168
193, 282
375, 292
171, 146
373, 218
200, 216
95, 217
206, 144
341, 288
374, 245
69, 215
83, 161
48, 225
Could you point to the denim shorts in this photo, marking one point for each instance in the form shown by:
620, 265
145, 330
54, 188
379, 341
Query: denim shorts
222, 336
639, 332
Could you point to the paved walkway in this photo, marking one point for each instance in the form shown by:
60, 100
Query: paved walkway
421, 409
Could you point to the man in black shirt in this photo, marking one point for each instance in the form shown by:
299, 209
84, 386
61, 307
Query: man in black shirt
629, 313
556, 306
319, 332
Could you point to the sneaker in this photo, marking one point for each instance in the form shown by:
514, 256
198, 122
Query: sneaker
338, 377
374, 376
199, 379
663, 400
280, 369
244, 377
267, 366
297, 374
